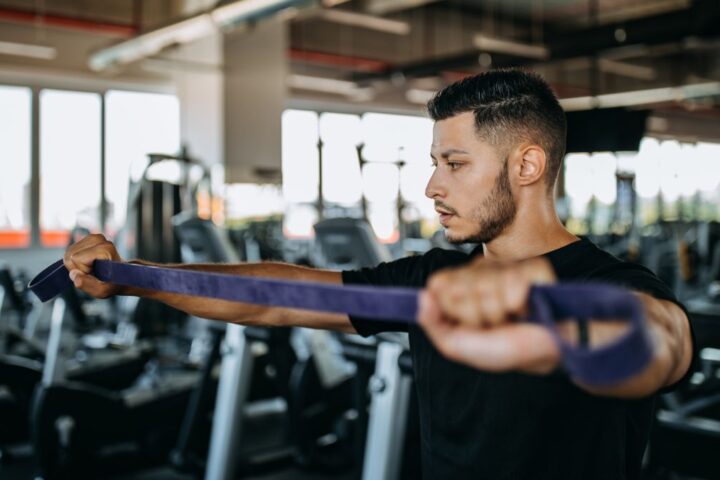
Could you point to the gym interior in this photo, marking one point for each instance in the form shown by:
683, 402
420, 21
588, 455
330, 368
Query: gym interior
296, 131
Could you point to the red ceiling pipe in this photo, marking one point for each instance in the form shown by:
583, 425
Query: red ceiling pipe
321, 58
62, 21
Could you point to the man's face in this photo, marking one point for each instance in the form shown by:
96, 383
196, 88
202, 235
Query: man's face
470, 185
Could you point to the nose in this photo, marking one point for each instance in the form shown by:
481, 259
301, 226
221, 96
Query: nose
434, 186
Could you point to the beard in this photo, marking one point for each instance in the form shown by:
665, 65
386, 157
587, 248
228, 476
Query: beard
494, 214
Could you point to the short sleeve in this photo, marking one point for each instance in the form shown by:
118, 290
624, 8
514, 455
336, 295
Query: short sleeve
406, 272
397, 273
638, 278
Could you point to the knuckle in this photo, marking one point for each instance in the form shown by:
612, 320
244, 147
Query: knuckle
479, 288
434, 282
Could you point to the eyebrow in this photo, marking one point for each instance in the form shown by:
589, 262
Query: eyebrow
450, 151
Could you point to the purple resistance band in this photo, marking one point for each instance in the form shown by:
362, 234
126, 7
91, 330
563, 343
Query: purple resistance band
604, 365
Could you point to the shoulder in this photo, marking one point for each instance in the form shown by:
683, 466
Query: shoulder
631, 275
407, 271
437, 258
584, 261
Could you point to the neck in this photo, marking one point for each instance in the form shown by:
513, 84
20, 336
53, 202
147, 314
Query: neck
534, 231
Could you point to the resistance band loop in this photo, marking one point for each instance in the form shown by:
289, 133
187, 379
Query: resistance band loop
604, 365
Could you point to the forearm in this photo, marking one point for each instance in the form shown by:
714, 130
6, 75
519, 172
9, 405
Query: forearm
243, 313
669, 332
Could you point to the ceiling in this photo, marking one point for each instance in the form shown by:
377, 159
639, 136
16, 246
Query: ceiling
395, 52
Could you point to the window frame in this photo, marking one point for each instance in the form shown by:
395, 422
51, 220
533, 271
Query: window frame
38, 82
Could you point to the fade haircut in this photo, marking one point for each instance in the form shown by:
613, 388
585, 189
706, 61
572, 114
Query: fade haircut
510, 106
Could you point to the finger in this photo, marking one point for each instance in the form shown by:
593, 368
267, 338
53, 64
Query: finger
83, 260
513, 291
438, 282
450, 292
430, 317
90, 285
493, 305
87, 242
525, 347
514, 347
475, 301
466, 311
538, 271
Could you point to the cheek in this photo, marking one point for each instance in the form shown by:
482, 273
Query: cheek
472, 188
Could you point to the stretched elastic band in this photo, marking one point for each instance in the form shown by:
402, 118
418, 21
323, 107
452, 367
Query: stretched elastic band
609, 364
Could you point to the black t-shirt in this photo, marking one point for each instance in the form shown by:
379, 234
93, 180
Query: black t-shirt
483, 425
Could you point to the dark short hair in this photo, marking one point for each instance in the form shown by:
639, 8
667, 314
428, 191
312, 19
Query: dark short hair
509, 106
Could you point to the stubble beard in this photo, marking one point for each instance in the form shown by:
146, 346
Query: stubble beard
496, 212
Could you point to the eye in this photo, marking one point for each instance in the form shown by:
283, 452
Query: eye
453, 165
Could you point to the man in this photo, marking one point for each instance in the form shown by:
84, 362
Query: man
498, 143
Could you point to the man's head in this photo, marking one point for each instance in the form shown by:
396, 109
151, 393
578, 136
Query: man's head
494, 133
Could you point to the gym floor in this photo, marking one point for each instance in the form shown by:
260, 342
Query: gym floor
21, 467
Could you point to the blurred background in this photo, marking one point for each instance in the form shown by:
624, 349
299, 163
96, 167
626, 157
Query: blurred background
294, 130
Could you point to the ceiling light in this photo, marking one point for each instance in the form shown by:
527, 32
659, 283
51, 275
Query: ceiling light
28, 50
362, 20
628, 70
510, 47
642, 97
381, 7
249, 9
613, 66
419, 96
330, 85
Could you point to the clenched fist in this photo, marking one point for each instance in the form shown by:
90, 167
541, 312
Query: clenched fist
470, 313
79, 258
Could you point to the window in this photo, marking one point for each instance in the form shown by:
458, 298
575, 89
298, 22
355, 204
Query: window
69, 148
300, 156
70, 139
397, 148
15, 138
135, 124
671, 179
300, 171
340, 135
387, 141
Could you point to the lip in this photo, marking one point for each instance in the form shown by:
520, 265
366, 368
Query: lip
445, 218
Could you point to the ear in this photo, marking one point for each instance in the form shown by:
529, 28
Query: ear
533, 163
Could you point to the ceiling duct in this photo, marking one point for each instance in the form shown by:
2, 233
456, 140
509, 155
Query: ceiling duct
188, 30
701, 21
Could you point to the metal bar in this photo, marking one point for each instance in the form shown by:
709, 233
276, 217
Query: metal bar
35, 169
53, 370
237, 366
103, 166
388, 415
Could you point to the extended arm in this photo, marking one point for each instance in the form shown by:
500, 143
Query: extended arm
79, 259
468, 314
670, 332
